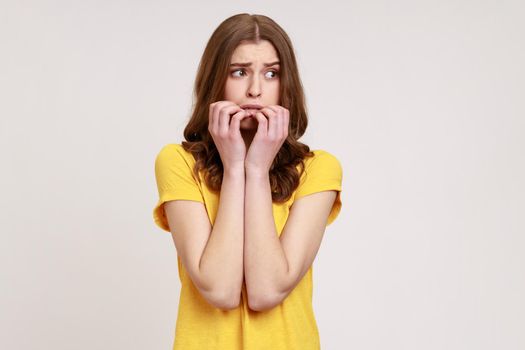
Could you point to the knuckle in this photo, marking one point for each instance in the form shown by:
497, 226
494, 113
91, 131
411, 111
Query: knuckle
226, 109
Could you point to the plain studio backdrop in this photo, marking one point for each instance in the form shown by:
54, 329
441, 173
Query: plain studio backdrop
421, 101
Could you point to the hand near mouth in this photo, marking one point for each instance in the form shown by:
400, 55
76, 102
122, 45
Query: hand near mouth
224, 127
271, 133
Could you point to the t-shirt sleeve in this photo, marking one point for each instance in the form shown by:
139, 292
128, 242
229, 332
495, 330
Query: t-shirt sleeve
175, 180
322, 174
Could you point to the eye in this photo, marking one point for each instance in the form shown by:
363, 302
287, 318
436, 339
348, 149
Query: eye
275, 73
237, 70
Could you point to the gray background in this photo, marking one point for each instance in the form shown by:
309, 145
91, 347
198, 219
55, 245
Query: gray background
422, 102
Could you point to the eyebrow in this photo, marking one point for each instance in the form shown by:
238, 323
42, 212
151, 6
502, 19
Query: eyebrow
247, 64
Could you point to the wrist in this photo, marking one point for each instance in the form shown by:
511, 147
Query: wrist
256, 172
236, 170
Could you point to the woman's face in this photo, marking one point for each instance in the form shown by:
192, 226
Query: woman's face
253, 78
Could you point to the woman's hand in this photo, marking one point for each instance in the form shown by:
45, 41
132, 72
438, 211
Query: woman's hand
227, 136
271, 133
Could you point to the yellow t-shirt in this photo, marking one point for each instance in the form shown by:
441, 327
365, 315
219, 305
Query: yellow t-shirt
290, 325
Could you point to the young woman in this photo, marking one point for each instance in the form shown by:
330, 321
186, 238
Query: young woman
246, 203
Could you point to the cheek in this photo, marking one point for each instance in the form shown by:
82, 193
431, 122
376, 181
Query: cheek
231, 89
275, 93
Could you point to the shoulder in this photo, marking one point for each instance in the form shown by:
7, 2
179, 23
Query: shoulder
322, 171
170, 149
174, 152
322, 160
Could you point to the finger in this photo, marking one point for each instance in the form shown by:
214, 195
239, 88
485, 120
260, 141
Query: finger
286, 123
262, 128
273, 121
273, 127
225, 116
279, 125
235, 123
215, 108
283, 121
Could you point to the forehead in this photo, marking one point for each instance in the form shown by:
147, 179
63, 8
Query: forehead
250, 51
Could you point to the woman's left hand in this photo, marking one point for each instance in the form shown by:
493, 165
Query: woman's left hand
271, 133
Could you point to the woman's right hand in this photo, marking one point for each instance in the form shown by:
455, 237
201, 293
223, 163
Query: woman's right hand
227, 136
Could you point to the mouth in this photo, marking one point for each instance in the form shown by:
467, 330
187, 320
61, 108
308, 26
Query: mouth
251, 106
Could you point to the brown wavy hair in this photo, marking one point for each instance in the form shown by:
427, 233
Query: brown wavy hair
210, 85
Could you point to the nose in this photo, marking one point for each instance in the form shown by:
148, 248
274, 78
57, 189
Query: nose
254, 89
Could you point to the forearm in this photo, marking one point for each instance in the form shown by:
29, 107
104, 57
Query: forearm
222, 259
265, 263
